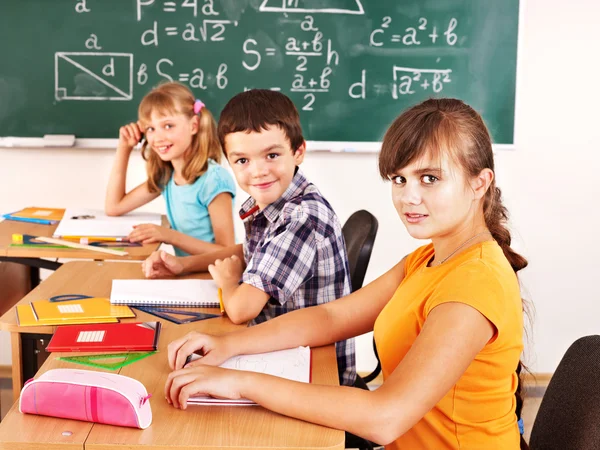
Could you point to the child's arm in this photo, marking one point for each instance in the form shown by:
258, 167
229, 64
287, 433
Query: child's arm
242, 302
221, 218
320, 325
276, 269
160, 264
452, 336
119, 202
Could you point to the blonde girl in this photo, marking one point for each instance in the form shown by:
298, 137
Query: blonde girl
182, 154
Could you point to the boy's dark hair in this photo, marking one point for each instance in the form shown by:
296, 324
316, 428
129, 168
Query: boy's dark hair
256, 110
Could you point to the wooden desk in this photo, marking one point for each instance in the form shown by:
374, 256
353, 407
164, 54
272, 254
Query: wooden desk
10, 227
77, 277
45, 258
203, 427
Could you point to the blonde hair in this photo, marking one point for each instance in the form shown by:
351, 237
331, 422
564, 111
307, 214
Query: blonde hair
175, 98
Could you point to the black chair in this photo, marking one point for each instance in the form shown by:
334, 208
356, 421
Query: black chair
359, 233
569, 415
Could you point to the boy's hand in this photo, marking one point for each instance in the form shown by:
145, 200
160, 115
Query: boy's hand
129, 136
203, 380
227, 272
148, 233
161, 265
214, 350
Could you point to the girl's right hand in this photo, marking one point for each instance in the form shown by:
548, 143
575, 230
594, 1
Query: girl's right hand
129, 136
214, 350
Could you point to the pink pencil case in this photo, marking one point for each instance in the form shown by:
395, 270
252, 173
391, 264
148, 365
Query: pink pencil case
87, 395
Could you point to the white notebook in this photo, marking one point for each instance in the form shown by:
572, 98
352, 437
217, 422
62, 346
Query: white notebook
203, 293
293, 364
92, 222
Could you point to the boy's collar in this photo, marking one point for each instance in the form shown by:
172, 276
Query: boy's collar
271, 212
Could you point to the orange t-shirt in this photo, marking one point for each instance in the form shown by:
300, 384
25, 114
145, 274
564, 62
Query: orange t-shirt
479, 411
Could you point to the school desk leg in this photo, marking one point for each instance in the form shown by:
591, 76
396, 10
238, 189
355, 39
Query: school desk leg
17, 364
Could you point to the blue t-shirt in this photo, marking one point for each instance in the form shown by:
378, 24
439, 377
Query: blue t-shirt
187, 205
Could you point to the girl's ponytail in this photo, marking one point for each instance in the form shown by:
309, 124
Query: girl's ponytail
496, 216
209, 141
205, 146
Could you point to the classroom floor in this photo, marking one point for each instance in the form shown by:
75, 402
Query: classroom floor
530, 408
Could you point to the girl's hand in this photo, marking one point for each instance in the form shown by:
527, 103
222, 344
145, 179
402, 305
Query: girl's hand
203, 380
148, 233
214, 350
129, 136
227, 272
161, 265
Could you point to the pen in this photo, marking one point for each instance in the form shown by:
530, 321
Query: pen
95, 238
30, 220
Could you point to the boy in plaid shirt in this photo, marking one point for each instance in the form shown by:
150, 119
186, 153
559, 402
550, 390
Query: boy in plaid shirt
294, 255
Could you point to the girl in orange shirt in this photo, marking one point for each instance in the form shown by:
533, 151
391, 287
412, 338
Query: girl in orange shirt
447, 319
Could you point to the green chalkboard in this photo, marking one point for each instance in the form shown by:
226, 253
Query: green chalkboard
81, 66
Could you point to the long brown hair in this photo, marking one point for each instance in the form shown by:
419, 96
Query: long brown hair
447, 124
175, 98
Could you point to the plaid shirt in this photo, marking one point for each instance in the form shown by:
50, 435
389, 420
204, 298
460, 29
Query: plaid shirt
295, 252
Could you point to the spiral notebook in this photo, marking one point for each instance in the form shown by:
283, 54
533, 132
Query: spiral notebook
200, 293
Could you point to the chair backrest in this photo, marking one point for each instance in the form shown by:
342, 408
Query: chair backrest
359, 233
569, 415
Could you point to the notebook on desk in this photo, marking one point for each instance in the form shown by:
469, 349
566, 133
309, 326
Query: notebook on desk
34, 214
47, 311
27, 318
293, 364
197, 293
132, 336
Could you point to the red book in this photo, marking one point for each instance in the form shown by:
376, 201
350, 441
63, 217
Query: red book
106, 337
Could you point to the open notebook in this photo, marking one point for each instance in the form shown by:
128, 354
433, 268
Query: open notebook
293, 364
203, 293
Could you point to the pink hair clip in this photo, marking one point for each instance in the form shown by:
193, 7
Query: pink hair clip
198, 105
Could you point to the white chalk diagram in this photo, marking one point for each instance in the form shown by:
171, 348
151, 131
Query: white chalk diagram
93, 76
327, 7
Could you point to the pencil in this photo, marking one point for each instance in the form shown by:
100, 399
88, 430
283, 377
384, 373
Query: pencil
221, 300
94, 238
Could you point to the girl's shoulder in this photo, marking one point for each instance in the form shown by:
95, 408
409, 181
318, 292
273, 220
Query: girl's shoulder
214, 173
214, 181
215, 169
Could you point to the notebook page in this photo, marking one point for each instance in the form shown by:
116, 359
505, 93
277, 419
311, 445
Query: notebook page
165, 293
293, 364
91, 222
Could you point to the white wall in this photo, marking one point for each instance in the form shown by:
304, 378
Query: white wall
549, 181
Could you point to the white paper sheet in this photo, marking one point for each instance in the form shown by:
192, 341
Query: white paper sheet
91, 222
293, 364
